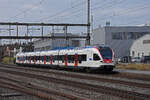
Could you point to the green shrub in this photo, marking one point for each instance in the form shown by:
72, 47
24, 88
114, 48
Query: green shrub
8, 60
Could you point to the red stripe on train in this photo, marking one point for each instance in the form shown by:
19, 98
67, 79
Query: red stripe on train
51, 62
30, 59
44, 59
76, 60
107, 60
66, 60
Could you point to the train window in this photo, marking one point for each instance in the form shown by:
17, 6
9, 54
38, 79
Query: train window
96, 57
18, 58
35, 58
79, 58
42, 58
56, 57
63, 58
83, 57
69, 58
60, 57
53, 57
72, 58
38, 57
32, 58
47, 58
28, 58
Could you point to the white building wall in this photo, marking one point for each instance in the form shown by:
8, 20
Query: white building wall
141, 47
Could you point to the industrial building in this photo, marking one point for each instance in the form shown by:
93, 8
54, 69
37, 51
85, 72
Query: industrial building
123, 39
48, 44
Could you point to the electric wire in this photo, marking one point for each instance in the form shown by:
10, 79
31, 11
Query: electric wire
27, 10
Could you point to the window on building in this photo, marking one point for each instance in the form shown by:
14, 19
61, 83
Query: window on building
96, 57
127, 35
75, 43
142, 54
117, 36
138, 54
133, 53
146, 41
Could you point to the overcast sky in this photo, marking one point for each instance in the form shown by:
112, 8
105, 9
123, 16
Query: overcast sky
118, 12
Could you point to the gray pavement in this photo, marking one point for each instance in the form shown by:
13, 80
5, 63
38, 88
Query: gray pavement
133, 71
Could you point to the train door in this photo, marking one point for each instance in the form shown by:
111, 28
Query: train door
26, 59
76, 60
23, 59
34, 59
30, 59
44, 59
66, 60
51, 60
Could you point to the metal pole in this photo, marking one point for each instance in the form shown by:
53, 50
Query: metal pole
88, 22
42, 30
10, 32
65, 30
9, 43
17, 33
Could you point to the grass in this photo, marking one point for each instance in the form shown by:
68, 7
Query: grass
8, 60
145, 67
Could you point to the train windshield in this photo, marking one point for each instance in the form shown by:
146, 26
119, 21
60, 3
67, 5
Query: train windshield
106, 52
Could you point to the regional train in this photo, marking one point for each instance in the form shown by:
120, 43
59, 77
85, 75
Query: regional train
86, 58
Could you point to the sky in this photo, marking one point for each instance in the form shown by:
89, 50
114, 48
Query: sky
118, 12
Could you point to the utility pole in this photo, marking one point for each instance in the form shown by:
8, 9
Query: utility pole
88, 22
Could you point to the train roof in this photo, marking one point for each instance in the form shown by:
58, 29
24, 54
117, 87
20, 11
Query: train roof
71, 48
66, 48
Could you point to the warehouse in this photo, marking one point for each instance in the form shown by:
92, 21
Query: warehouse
120, 38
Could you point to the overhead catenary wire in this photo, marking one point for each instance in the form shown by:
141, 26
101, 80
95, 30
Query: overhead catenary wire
27, 10
127, 11
60, 13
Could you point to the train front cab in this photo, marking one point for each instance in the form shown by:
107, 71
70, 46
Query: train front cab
103, 59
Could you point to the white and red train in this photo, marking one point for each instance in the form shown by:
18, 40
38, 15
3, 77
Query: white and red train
88, 58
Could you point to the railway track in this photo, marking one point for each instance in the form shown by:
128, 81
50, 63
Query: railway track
86, 86
35, 90
142, 77
135, 84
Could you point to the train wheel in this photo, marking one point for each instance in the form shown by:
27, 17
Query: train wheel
87, 70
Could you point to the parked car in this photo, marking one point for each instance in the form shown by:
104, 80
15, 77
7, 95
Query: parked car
126, 59
145, 59
136, 60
